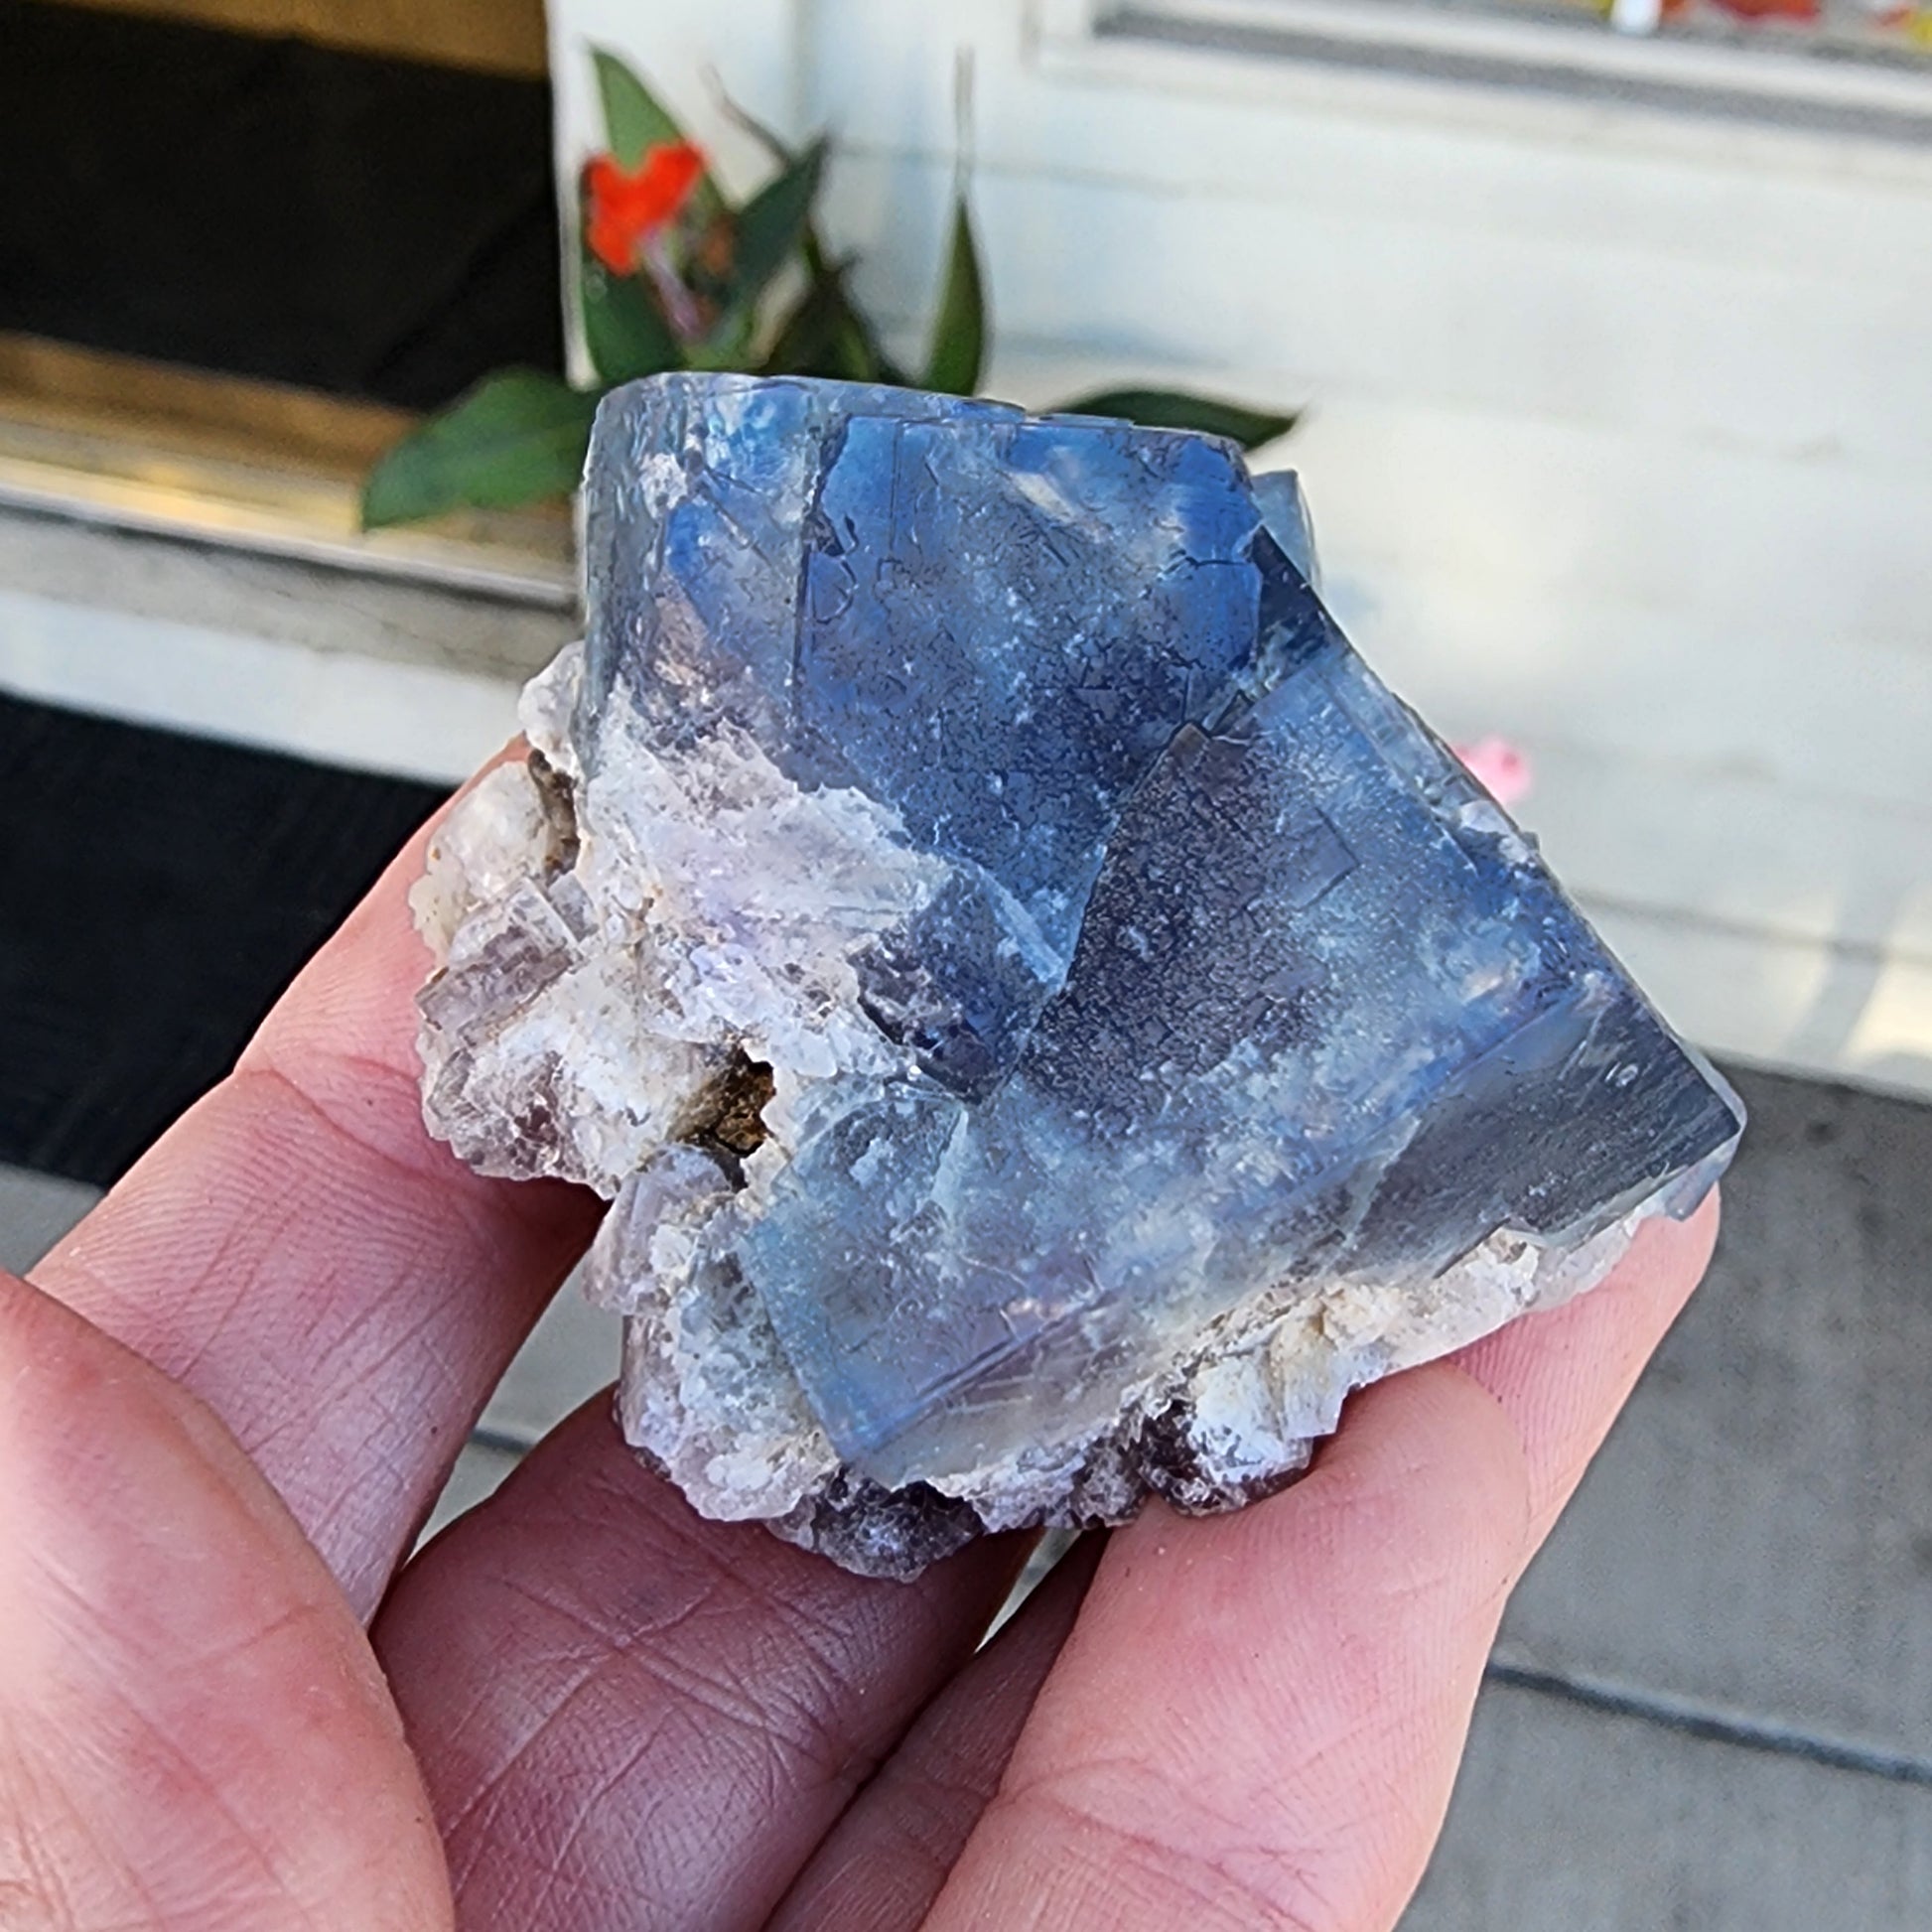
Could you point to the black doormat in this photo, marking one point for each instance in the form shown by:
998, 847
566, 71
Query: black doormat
376, 227
158, 892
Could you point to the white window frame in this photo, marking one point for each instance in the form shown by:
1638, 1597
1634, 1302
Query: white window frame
1772, 84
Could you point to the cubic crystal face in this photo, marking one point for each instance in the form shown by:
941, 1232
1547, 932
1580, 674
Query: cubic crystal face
1050, 1022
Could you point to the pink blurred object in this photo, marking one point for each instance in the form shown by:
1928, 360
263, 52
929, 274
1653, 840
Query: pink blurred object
1500, 768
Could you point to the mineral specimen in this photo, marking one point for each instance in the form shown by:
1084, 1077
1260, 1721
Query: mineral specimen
1049, 1022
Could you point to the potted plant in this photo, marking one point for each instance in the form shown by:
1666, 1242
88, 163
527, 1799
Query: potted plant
671, 273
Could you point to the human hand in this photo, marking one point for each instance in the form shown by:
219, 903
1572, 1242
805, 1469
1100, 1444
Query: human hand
235, 1392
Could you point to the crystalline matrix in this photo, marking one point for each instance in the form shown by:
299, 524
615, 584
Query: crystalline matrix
1049, 1022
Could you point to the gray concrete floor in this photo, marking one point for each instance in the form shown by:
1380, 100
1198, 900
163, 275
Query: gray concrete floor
1711, 1708
1712, 1703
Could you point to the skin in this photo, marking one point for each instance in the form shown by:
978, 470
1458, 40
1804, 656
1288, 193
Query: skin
226, 1701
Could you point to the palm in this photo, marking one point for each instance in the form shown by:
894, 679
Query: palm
623, 1715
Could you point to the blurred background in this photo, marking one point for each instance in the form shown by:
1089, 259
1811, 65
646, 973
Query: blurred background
1607, 329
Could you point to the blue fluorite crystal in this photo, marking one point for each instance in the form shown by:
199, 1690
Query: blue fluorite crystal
1224, 974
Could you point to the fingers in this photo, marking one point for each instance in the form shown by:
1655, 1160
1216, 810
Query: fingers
628, 1715
1258, 1718
884, 1862
1563, 1377
296, 1251
193, 1729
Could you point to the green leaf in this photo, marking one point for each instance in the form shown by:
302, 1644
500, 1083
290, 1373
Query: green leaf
958, 350
517, 438
727, 345
634, 120
768, 138
1177, 409
825, 335
623, 327
772, 224
772, 227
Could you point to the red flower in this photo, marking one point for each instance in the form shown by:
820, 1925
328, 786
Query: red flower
628, 207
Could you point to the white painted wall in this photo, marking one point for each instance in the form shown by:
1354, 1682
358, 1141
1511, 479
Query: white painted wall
1619, 437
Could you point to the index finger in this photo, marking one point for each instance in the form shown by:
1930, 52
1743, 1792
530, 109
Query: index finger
298, 1252
1258, 1718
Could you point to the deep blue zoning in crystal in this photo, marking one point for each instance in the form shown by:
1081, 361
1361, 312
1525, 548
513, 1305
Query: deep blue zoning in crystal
1236, 976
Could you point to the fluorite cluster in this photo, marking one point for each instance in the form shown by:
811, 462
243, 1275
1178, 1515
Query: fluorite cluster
1049, 1022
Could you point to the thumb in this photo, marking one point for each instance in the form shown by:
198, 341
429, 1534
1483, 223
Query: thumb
193, 1729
